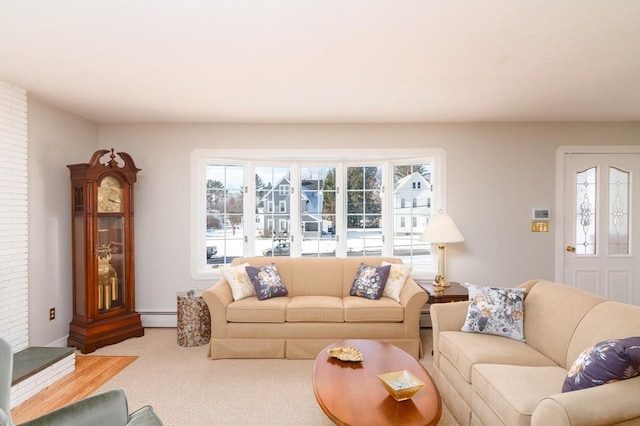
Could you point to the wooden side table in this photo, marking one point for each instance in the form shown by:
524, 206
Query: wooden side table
454, 293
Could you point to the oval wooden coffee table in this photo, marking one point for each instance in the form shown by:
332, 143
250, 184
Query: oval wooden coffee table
350, 393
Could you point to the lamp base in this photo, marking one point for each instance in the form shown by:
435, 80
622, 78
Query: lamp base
441, 282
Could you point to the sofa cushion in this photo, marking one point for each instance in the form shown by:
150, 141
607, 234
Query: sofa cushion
369, 281
316, 276
266, 281
239, 281
398, 275
498, 311
315, 309
360, 309
253, 310
513, 391
465, 350
604, 362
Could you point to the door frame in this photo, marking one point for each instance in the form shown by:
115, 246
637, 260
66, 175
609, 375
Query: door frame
560, 195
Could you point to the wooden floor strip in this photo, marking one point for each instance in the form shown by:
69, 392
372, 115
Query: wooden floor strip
91, 373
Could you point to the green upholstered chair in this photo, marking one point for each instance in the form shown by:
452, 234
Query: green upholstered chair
101, 409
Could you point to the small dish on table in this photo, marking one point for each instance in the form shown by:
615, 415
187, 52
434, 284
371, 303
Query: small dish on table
401, 385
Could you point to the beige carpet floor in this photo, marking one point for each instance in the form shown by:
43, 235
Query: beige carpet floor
188, 389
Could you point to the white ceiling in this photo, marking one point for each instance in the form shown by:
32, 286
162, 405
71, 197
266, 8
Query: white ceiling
327, 61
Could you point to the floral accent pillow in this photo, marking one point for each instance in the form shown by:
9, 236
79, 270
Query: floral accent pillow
604, 362
498, 311
398, 275
369, 281
266, 281
238, 280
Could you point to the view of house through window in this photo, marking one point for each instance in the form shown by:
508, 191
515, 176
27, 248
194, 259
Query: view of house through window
377, 208
318, 210
273, 225
411, 182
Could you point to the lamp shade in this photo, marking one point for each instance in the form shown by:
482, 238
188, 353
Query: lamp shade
441, 229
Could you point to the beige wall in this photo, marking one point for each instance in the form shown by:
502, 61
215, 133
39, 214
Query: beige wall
56, 138
496, 174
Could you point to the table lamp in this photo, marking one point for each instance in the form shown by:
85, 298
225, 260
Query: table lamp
441, 230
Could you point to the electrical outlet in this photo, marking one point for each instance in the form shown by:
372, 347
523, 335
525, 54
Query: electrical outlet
52, 314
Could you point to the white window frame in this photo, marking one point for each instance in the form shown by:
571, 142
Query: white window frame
200, 158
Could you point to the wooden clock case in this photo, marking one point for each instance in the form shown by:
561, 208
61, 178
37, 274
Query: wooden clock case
103, 251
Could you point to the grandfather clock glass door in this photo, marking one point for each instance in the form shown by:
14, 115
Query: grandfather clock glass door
110, 256
110, 248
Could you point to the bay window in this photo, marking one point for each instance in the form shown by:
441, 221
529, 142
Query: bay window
349, 203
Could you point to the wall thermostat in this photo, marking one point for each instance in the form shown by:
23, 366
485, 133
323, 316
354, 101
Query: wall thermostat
541, 214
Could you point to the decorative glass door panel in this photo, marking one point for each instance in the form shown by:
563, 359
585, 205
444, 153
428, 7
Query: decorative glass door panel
586, 186
618, 211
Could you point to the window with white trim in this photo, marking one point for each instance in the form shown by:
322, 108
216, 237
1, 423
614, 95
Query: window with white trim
352, 203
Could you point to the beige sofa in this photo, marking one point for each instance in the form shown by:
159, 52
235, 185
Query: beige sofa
317, 311
492, 380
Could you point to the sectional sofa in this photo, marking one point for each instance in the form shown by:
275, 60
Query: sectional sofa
318, 310
494, 380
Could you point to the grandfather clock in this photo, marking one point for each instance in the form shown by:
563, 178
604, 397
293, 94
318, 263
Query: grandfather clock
103, 251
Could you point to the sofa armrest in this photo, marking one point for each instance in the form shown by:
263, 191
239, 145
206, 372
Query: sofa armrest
446, 317
601, 405
145, 416
412, 295
108, 408
413, 298
218, 297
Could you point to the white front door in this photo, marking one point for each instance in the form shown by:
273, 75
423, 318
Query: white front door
601, 224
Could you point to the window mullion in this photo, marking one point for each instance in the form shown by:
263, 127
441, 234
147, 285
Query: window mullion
341, 210
294, 218
250, 208
387, 209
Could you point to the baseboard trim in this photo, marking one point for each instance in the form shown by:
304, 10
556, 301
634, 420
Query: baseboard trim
60, 343
159, 319
149, 319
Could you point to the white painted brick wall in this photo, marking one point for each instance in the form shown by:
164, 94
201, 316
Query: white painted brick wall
14, 303
14, 250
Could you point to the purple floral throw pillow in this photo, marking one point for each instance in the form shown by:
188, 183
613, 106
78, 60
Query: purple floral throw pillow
369, 281
498, 311
604, 362
266, 281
